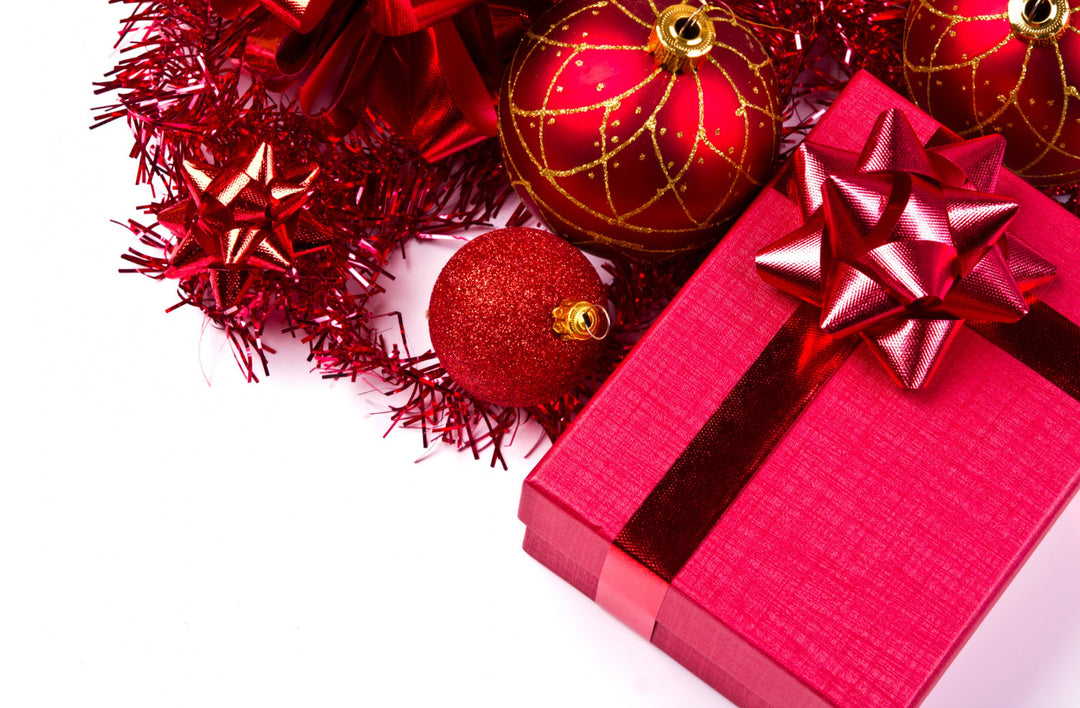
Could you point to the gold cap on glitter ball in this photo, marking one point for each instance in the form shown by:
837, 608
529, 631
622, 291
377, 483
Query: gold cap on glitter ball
681, 37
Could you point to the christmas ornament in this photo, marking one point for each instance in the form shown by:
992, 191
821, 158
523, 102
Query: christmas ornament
516, 317
430, 69
241, 219
1002, 66
635, 131
200, 86
901, 244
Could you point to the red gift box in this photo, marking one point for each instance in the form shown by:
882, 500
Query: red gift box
881, 525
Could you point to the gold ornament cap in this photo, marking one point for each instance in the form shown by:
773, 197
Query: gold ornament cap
1038, 21
681, 37
579, 320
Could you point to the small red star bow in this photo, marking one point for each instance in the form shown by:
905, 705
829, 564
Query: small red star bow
241, 219
902, 243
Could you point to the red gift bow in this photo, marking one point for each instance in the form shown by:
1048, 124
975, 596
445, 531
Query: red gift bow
902, 243
239, 219
430, 68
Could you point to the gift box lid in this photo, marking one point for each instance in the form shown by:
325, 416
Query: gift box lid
880, 529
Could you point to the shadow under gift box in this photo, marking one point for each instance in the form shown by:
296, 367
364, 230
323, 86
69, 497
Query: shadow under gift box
877, 533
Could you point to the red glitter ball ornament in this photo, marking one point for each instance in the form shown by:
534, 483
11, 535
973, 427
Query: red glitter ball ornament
636, 131
1002, 66
493, 317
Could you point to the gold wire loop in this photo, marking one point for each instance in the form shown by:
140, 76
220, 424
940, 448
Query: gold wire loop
579, 320
691, 20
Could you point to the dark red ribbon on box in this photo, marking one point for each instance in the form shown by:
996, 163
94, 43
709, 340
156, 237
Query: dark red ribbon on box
430, 68
901, 244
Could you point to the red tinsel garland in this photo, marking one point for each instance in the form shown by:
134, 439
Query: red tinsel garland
183, 89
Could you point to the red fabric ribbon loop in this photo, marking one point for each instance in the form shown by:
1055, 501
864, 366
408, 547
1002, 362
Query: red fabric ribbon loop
430, 68
400, 17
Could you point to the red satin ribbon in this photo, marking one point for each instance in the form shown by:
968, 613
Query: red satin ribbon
430, 68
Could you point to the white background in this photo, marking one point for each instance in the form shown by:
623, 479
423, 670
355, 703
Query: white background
165, 542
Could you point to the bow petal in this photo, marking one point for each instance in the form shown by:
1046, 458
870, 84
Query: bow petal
988, 292
854, 207
977, 221
911, 349
793, 263
228, 285
894, 146
813, 165
198, 178
979, 160
1028, 268
854, 302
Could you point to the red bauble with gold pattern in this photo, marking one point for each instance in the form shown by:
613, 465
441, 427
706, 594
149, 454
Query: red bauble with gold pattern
637, 132
516, 317
1002, 66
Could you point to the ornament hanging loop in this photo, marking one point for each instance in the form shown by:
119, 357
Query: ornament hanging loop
1038, 21
681, 37
688, 29
579, 320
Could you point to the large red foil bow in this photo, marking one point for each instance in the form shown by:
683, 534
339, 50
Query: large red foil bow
429, 68
902, 243
241, 219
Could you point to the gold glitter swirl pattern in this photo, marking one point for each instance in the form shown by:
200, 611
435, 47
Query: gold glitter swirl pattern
618, 153
966, 66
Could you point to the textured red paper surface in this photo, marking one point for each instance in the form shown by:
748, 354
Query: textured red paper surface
877, 534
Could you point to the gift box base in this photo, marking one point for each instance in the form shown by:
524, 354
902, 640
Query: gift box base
749, 674
749, 679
